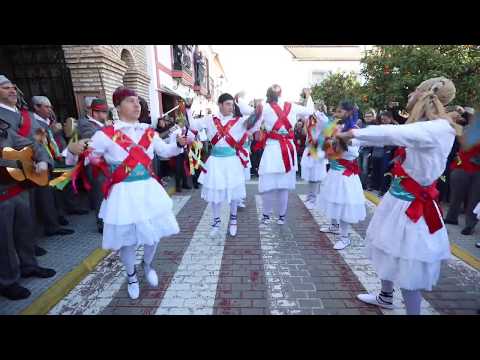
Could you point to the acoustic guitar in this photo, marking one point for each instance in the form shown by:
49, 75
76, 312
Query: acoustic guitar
20, 166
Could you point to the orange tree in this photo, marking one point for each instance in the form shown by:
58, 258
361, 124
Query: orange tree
337, 87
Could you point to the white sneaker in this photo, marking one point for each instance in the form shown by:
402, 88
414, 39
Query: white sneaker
310, 205
233, 229
331, 229
215, 228
342, 243
151, 276
132, 287
281, 220
241, 204
374, 300
265, 220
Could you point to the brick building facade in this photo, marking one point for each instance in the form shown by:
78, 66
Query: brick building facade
97, 70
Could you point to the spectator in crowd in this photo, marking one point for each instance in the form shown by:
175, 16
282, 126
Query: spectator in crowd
300, 138
382, 158
144, 112
465, 178
366, 151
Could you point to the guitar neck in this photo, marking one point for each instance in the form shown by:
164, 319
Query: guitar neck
10, 163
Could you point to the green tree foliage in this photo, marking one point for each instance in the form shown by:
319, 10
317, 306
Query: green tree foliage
393, 71
337, 87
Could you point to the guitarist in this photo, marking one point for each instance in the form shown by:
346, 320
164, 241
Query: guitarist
47, 204
17, 250
25, 126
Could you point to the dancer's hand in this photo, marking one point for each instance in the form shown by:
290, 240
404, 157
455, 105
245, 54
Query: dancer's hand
181, 140
240, 94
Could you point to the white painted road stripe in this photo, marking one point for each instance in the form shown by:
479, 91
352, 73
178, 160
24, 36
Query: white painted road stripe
96, 291
194, 286
354, 256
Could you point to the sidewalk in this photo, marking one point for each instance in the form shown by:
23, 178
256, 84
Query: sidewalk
71, 256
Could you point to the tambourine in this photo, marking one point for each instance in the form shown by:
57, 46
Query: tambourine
70, 127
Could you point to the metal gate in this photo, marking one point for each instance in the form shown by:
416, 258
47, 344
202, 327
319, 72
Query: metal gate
41, 70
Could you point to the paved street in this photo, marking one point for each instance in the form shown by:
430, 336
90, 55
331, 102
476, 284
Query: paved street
265, 269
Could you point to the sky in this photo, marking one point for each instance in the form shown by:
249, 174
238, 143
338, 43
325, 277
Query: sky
253, 68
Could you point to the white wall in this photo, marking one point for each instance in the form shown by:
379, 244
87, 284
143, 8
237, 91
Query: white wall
152, 88
306, 68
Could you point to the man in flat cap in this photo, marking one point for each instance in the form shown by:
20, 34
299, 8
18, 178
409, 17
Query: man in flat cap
94, 120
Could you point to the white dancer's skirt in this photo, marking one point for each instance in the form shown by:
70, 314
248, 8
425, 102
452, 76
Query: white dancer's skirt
477, 211
341, 197
402, 251
136, 213
271, 171
224, 180
313, 169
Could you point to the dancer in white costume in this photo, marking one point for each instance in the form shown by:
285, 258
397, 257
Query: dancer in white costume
341, 197
278, 166
406, 238
224, 180
476, 211
136, 209
314, 163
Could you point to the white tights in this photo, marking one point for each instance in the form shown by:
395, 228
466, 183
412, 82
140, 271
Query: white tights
216, 207
128, 256
269, 197
313, 188
412, 298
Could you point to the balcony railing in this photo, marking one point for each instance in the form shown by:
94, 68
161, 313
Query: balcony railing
183, 63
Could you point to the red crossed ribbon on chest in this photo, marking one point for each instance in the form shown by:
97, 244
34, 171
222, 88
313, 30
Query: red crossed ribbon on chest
136, 155
425, 203
286, 146
223, 132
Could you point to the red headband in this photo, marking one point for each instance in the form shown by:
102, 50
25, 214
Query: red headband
99, 107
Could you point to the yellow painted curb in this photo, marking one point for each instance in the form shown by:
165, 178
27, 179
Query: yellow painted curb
50, 297
463, 255
62, 287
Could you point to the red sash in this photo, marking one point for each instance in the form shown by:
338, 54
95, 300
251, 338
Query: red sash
11, 192
224, 132
425, 203
288, 154
26, 125
351, 167
463, 160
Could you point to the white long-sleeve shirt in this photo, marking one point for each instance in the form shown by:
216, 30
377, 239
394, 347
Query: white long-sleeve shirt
270, 117
427, 143
113, 153
237, 131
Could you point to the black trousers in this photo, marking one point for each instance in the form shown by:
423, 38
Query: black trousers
464, 185
180, 175
17, 243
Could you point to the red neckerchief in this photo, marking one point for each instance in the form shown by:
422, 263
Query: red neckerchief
26, 125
